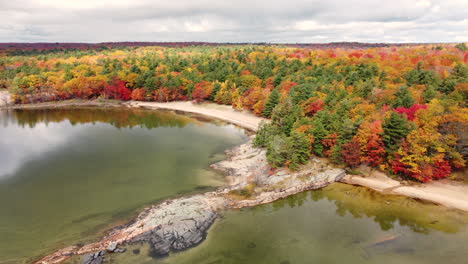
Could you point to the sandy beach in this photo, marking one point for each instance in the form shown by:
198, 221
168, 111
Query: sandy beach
444, 192
243, 118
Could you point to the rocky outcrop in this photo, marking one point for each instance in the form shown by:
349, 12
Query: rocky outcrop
244, 164
181, 223
94, 258
247, 165
182, 234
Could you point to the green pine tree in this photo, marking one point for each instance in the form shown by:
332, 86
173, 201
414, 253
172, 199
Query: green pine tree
395, 128
270, 104
215, 90
403, 98
277, 151
299, 151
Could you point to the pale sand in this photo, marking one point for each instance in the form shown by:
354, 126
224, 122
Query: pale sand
444, 192
4, 98
244, 118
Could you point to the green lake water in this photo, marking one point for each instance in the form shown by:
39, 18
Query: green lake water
68, 174
337, 224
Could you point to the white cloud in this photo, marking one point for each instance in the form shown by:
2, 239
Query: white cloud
463, 38
231, 21
423, 3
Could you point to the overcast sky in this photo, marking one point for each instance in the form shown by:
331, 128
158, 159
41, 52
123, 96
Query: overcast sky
234, 20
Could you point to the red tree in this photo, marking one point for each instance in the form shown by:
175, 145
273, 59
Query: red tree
375, 150
116, 90
138, 94
410, 112
351, 154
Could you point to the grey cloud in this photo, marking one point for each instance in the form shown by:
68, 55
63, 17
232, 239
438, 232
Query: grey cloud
234, 21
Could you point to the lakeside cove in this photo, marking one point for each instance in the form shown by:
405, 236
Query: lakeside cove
445, 192
180, 223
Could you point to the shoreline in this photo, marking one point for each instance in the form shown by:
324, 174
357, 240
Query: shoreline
242, 118
244, 167
444, 192
456, 195
183, 222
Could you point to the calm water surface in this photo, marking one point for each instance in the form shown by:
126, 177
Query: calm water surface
338, 224
66, 174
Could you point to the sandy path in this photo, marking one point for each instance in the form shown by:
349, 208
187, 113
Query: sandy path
224, 112
4, 98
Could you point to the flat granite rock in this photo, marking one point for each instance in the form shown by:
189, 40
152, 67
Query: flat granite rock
183, 227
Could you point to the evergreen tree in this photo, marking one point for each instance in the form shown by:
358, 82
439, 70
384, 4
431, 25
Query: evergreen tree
403, 98
135, 69
461, 46
299, 150
215, 90
319, 132
420, 76
429, 94
89, 73
459, 75
68, 75
395, 128
277, 151
285, 115
106, 69
301, 93
271, 103
150, 84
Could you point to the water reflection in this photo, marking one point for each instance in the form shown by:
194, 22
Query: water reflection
67, 174
43, 130
389, 211
117, 117
337, 224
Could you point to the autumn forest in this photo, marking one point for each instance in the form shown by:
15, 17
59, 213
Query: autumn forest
400, 109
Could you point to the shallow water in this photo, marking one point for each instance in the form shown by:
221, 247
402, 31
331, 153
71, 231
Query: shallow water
337, 224
66, 174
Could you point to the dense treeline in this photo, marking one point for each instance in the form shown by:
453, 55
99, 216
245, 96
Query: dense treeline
401, 109
13, 49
